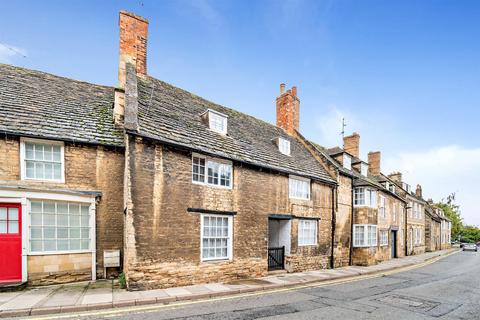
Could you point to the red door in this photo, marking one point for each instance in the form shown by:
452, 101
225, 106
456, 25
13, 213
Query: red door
10, 242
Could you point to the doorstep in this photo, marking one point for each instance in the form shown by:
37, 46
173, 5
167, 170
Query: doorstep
89, 296
9, 286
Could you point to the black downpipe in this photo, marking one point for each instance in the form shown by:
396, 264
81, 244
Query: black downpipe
334, 221
405, 235
351, 228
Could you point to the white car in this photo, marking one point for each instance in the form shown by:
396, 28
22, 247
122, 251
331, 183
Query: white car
470, 247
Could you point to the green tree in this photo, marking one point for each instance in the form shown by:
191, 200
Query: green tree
452, 211
470, 234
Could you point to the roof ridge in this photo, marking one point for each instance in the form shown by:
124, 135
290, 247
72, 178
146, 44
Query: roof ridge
39, 72
196, 96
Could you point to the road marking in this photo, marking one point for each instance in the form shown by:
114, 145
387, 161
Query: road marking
175, 305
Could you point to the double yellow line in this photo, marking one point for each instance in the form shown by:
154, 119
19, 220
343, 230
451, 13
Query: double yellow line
154, 308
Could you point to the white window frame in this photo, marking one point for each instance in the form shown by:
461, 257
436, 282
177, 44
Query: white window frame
205, 177
215, 115
41, 141
366, 236
91, 226
308, 181
382, 210
347, 161
284, 146
364, 169
383, 235
302, 228
369, 196
229, 239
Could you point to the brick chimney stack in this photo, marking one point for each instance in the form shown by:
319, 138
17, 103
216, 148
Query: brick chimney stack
133, 51
288, 110
133, 44
351, 144
418, 191
374, 163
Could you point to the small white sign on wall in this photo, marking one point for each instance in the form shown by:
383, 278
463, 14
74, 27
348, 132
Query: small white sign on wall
111, 258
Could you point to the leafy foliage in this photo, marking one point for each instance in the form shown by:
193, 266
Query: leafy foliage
460, 231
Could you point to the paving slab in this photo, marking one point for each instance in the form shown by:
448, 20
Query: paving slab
156, 293
64, 296
98, 295
175, 292
217, 287
28, 299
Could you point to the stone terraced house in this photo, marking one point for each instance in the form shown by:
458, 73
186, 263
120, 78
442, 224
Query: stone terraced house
61, 178
376, 211
172, 189
415, 214
213, 194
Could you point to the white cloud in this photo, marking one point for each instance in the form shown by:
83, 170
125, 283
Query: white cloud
9, 53
441, 171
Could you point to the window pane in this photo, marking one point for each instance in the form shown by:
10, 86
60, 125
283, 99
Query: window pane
29, 151
36, 233
30, 172
62, 245
12, 226
36, 206
3, 213
84, 221
57, 171
36, 219
74, 233
62, 220
48, 219
62, 207
38, 151
49, 207
12, 213
85, 244
74, 208
85, 233
47, 152
48, 171
62, 233
50, 245
36, 245
74, 221
3, 226
56, 154
49, 233
39, 170
74, 244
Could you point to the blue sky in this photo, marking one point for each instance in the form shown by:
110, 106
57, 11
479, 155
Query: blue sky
404, 74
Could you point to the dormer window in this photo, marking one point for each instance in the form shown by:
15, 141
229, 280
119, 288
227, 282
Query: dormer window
391, 187
284, 146
364, 169
347, 161
217, 121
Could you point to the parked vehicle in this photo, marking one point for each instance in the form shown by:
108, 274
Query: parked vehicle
470, 247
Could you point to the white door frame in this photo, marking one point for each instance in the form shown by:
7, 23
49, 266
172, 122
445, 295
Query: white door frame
23, 196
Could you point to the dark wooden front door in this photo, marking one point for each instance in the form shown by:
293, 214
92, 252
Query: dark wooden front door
393, 243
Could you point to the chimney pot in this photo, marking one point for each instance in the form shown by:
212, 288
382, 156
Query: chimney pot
282, 88
418, 191
294, 91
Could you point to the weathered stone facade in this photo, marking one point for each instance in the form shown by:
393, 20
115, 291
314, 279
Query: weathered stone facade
343, 222
163, 238
88, 168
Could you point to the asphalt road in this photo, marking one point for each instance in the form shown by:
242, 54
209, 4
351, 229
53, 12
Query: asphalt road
446, 289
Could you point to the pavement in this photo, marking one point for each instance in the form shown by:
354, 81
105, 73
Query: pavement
94, 296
